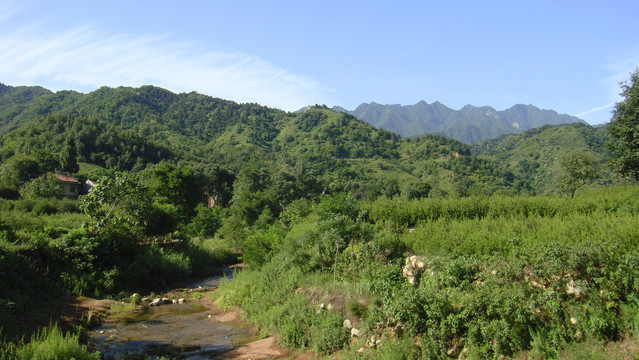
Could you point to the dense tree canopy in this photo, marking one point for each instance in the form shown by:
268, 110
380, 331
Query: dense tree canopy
304, 154
624, 129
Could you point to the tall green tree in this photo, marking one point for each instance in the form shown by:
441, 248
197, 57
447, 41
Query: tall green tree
69, 157
120, 202
579, 169
624, 130
180, 186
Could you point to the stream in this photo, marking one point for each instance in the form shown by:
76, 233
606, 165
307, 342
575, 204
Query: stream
174, 330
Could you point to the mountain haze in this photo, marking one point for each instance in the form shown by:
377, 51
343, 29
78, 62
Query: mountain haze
469, 124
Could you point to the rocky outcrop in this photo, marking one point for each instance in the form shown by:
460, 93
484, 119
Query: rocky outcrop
413, 269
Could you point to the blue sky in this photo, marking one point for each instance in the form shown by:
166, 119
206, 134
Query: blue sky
568, 56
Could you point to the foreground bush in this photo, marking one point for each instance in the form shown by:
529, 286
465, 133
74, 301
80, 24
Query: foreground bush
49, 344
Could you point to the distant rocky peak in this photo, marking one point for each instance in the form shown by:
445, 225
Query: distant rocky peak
469, 124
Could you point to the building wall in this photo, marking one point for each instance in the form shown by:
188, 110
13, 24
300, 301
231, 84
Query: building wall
69, 190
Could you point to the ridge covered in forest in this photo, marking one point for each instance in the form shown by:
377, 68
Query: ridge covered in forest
127, 128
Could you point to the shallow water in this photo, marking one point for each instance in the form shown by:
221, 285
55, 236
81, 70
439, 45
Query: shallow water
174, 330
212, 281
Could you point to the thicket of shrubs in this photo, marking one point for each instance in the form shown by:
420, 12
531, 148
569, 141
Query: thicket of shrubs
45, 256
495, 282
501, 275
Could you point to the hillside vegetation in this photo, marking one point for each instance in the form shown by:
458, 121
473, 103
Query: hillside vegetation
127, 128
535, 155
545, 277
429, 247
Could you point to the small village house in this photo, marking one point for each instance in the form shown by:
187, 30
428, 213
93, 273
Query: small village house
69, 187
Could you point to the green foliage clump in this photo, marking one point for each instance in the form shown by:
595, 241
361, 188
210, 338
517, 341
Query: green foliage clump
49, 344
121, 202
623, 130
45, 186
205, 222
578, 170
329, 335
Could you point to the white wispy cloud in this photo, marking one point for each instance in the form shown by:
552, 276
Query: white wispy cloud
597, 109
8, 9
618, 66
84, 59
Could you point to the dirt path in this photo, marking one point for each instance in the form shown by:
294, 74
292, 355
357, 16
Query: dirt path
257, 350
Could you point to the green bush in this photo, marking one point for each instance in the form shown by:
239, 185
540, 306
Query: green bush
45, 207
399, 349
329, 334
68, 206
154, 266
356, 308
51, 344
260, 246
163, 219
206, 221
293, 328
45, 186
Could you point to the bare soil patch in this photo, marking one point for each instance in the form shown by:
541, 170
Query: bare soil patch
261, 349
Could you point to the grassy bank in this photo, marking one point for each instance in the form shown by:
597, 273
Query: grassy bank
48, 254
500, 276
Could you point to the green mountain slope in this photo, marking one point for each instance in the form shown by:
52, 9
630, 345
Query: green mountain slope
336, 151
469, 124
534, 155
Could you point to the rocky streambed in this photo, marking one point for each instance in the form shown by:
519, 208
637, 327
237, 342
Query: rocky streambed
182, 324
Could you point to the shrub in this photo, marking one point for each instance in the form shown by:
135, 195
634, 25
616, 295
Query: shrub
68, 206
162, 219
293, 331
45, 207
260, 246
206, 221
52, 344
356, 308
329, 335
45, 186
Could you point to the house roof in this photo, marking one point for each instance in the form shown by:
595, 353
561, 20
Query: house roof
66, 179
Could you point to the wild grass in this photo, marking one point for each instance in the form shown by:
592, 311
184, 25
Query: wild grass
507, 234
399, 213
122, 311
48, 344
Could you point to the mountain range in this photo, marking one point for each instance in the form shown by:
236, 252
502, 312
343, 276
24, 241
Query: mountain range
318, 150
469, 124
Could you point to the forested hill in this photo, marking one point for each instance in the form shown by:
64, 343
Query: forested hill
535, 155
149, 110
469, 124
306, 153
